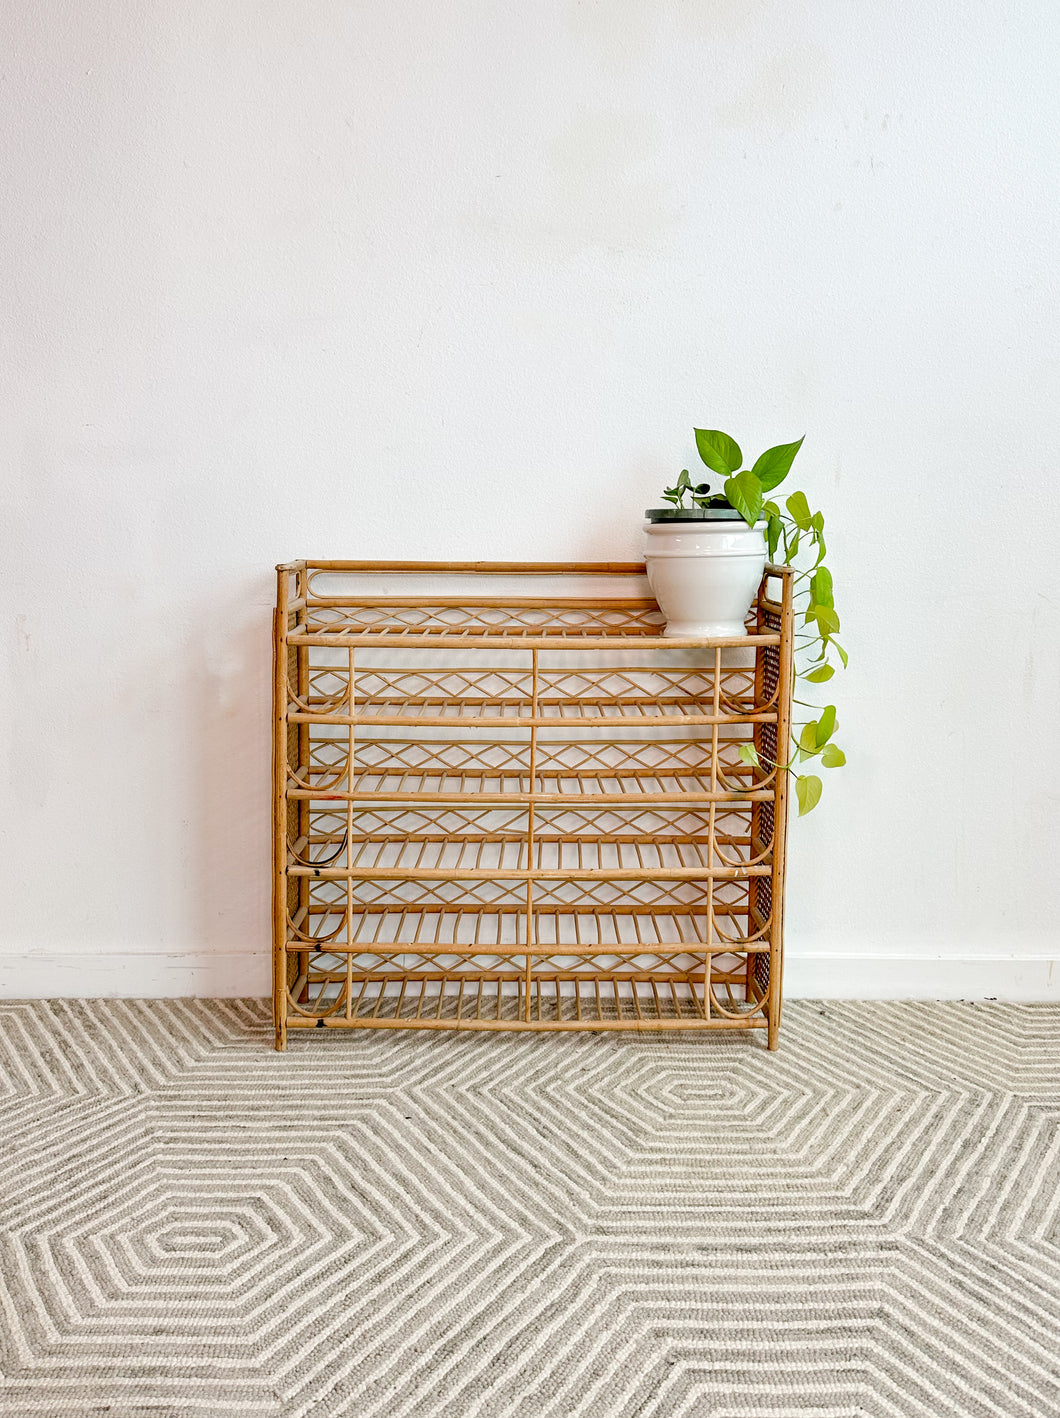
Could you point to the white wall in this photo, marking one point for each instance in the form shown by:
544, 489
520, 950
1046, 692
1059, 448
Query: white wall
391, 278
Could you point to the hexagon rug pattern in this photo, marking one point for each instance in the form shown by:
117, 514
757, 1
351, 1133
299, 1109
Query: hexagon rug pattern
401, 1225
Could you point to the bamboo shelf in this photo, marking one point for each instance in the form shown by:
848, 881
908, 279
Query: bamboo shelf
503, 800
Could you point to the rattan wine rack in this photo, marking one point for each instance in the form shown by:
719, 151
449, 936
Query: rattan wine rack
503, 800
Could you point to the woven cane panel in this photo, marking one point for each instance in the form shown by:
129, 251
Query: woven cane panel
607, 692
592, 837
469, 622
477, 763
476, 834
761, 973
645, 987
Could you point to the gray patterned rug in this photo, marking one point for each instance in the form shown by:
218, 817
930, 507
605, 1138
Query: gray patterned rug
867, 1222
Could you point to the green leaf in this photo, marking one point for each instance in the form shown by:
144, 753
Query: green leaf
773, 529
819, 675
821, 587
817, 522
842, 653
744, 491
747, 753
808, 789
791, 548
720, 453
800, 510
808, 737
773, 466
771, 509
825, 616
684, 480
833, 756
825, 725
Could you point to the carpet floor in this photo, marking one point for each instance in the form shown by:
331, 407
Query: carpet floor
397, 1224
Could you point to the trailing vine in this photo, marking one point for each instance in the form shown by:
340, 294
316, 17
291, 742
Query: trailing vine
796, 532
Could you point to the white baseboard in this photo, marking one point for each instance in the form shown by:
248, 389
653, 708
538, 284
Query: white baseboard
149, 975
135, 975
1003, 977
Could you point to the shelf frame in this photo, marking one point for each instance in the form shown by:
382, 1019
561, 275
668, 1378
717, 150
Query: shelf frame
327, 824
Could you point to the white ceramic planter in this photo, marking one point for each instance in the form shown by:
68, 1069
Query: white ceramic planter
704, 574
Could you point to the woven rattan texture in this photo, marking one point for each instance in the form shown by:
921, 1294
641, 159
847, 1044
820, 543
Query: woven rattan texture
524, 809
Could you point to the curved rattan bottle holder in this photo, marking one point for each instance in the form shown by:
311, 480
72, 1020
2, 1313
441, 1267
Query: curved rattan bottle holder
523, 809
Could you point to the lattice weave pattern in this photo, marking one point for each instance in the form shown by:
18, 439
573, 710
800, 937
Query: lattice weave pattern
523, 811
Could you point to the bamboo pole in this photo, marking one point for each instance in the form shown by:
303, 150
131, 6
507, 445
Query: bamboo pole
375, 873
530, 828
553, 799
490, 568
786, 673
532, 721
628, 638
559, 603
350, 773
756, 807
298, 609
279, 809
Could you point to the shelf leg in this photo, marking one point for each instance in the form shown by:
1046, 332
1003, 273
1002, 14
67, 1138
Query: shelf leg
279, 815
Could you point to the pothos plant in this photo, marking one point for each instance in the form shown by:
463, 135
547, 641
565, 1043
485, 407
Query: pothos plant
797, 532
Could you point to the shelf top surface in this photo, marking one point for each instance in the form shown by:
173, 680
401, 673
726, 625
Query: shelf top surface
470, 603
